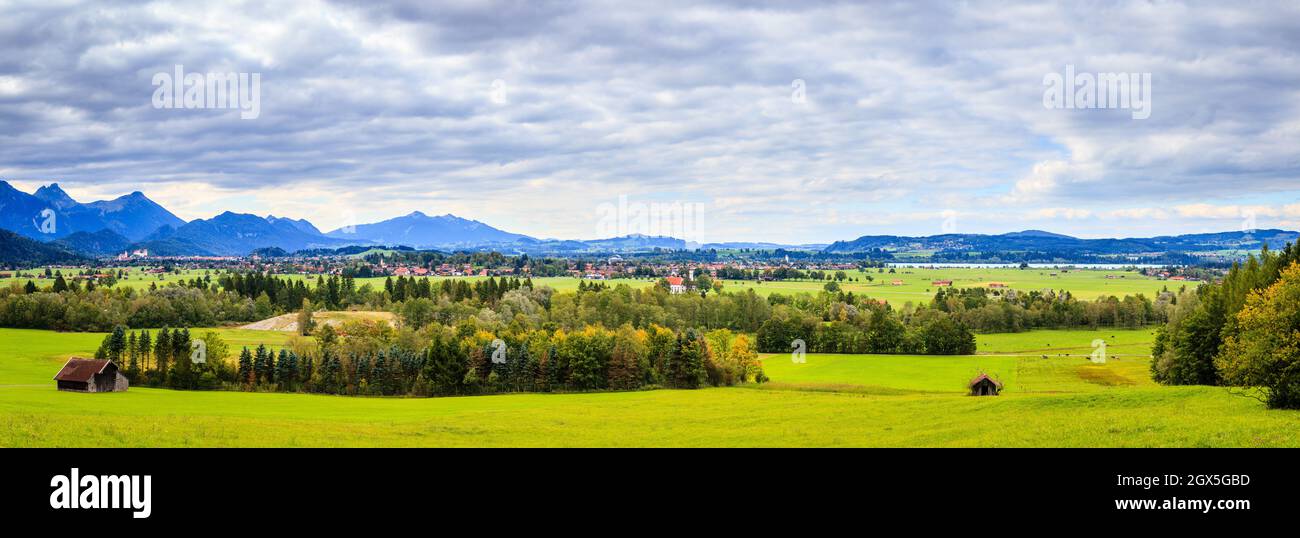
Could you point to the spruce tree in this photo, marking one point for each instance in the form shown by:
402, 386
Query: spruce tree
144, 349
162, 350
117, 344
245, 366
282, 368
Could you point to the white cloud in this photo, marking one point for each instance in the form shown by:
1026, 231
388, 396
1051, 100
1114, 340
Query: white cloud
385, 108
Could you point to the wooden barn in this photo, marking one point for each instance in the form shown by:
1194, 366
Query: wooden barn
90, 375
983, 385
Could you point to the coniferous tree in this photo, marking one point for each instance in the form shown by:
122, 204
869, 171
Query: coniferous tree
144, 350
162, 351
117, 344
245, 366
292, 372
132, 353
261, 369
282, 374
181, 345
686, 370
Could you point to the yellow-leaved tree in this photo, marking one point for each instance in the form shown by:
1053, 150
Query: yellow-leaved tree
1262, 351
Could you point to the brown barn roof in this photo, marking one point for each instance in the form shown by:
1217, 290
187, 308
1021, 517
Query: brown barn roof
980, 377
82, 370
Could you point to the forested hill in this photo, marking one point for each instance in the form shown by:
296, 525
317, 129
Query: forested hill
1040, 241
19, 251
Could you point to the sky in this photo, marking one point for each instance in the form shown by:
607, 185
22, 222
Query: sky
789, 122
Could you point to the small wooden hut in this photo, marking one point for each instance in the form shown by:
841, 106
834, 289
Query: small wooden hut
983, 385
90, 375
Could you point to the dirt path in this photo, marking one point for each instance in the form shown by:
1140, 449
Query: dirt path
289, 322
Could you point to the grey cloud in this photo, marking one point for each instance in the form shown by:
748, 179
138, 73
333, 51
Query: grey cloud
909, 105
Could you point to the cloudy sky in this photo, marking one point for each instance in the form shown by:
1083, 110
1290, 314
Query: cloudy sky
788, 122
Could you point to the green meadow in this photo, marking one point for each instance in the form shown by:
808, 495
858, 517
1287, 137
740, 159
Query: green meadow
138, 279
827, 400
916, 284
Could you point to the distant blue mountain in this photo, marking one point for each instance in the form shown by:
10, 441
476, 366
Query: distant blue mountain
50, 213
636, 242
1034, 240
762, 246
235, 234
419, 230
301, 224
134, 221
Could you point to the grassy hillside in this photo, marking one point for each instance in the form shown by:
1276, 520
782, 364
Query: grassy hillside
917, 282
831, 400
1085, 284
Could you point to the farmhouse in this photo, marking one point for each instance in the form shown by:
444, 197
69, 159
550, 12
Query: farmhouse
90, 375
941, 283
675, 284
983, 385
897, 283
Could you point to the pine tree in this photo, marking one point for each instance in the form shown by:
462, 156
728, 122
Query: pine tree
379, 379
261, 371
306, 367
686, 368
162, 350
144, 350
245, 366
117, 344
181, 345
132, 353
282, 368
292, 373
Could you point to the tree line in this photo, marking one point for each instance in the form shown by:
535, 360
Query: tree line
377, 360
835, 320
1243, 332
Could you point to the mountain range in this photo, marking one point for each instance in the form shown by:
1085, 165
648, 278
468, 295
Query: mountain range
1040, 241
419, 230
50, 225
50, 213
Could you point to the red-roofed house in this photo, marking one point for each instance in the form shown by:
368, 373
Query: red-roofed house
675, 284
90, 375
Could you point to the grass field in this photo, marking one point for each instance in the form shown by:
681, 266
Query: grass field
916, 282
139, 280
831, 400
